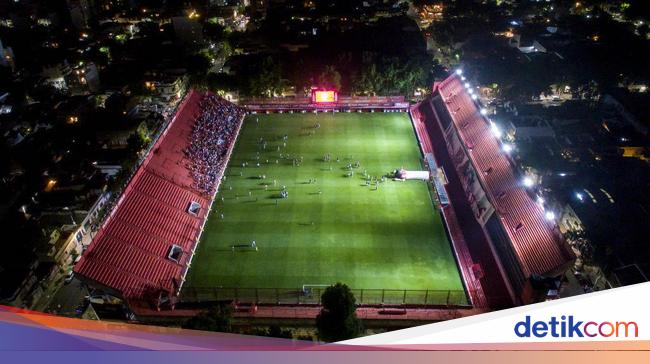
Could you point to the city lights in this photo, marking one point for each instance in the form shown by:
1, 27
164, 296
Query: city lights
528, 182
550, 215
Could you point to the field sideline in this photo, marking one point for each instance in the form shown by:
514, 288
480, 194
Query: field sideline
331, 227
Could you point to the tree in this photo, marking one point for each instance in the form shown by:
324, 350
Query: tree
277, 331
115, 105
213, 30
135, 142
368, 82
221, 81
264, 78
217, 318
337, 319
393, 76
272, 331
330, 78
636, 9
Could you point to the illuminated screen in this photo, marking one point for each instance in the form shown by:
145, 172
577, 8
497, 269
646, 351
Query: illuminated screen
319, 97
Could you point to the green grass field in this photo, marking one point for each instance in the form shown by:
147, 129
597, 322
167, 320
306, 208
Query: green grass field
334, 230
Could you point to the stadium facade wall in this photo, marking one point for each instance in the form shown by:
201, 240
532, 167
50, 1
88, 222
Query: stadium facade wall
343, 104
129, 255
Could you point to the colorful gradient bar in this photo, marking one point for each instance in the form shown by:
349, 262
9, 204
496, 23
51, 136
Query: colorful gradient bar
27, 336
29, 330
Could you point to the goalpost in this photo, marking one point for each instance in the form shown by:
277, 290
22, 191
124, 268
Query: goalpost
251, 246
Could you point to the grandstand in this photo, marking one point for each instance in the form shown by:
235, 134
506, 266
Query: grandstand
507, 237
145, 246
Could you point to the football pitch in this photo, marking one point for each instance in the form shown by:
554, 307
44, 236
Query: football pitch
333, 225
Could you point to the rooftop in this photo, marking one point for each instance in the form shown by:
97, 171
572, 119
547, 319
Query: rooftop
130, 253
539, 247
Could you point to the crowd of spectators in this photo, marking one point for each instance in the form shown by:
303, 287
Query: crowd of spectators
214, 132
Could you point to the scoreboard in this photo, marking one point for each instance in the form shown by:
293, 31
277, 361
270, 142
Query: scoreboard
324, 96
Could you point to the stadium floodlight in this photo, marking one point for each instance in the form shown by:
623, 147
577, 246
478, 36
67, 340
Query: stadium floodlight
528, 182
459, 71
496, 131
484, 111
507, 147
550, 215
580, 196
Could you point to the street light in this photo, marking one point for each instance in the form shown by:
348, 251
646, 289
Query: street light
484, 111
528, 182
495, 130
459, 71
507, 147
550, 216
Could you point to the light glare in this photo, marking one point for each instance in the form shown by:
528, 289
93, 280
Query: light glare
549, 215
528, 182
495, 130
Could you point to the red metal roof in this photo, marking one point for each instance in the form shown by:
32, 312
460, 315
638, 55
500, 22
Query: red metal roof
129, 253
537, 243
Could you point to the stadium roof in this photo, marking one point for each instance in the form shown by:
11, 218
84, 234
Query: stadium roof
539, 247
132, 252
